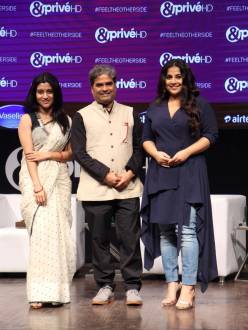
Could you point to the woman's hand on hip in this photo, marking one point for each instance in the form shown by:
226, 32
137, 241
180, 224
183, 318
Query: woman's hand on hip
37, 156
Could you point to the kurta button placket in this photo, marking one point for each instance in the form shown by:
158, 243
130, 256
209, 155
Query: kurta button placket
111, 146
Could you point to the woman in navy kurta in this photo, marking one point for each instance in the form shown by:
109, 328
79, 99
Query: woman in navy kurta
176, 208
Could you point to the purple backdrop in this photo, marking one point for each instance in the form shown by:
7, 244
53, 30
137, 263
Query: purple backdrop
68, 37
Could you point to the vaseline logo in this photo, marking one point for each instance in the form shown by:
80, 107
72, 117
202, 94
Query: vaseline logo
234, 34
104, 35
10, 115
38, 60
38, 9
168, 9
233, 85
197, 58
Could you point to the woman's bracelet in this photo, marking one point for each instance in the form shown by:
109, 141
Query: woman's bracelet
37, 191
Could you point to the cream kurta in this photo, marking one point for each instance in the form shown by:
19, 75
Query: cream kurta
52, 252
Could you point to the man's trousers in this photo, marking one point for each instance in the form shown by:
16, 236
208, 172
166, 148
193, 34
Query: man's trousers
125, 212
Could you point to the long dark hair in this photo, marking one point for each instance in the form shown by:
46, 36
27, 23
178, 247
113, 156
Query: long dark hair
58, 113
188, 94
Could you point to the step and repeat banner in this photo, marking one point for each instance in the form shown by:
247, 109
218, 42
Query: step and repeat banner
138, 37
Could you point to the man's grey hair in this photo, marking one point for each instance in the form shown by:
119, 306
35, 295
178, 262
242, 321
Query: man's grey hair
101, 69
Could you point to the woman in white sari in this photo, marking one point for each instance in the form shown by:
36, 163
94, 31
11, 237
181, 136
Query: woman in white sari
44, 133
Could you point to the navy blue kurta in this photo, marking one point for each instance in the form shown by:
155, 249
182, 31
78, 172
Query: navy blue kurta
169, 192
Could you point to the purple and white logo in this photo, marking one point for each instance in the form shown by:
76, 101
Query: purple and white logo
130, 84
38, 59
8, 83
234, 34
7, 33
38, 9
104, 35
233, 85
169, 9
196, 58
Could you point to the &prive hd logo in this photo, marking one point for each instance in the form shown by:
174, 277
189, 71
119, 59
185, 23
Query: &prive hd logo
130, 84
38, 9
38, 59
104, 35
197, 58
7, 33
168, 9
8, 83
234, 34
233, 85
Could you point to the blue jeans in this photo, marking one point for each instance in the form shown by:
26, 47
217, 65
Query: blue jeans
189, 251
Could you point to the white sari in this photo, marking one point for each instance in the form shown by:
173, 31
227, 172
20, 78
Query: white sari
52, 252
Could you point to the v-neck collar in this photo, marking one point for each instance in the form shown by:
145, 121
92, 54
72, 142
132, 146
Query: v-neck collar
174, 114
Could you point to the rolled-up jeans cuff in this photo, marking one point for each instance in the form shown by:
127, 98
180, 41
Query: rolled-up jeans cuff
171, 279
189, 281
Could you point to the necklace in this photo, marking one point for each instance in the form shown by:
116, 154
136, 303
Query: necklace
42, 123
42, 119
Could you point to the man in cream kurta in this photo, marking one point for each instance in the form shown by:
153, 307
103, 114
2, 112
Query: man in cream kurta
106, 141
